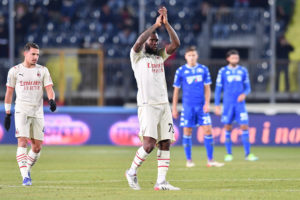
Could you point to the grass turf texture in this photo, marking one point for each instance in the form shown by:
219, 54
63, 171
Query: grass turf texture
97, 172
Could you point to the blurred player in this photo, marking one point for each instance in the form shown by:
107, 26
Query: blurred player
28, 79
154, 113
195, 81
234, 81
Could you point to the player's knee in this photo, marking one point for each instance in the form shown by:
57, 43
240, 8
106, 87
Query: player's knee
187, 131
36, 149
244, 127
22, 142
228, 127
207, 130
148, 147
164, 145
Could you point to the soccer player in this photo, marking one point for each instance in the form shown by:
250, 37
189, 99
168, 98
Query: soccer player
195, 81
234, 81
28, 80
154, 112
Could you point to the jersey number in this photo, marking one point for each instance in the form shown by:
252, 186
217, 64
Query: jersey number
171, 128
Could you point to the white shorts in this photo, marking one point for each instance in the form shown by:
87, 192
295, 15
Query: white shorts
156, 122
29, 127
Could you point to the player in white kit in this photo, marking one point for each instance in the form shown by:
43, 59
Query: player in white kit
28, 79
154, 113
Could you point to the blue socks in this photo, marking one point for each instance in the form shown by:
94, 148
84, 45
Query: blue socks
209, 145
246, 143
187, 145
228, 143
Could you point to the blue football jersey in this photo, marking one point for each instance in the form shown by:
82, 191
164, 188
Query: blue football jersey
233, 82
192, 81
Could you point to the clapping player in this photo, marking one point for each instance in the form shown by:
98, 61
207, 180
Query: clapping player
154, 113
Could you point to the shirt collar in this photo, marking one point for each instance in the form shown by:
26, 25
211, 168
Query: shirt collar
191, 67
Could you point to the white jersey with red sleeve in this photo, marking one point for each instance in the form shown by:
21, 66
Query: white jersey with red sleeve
29, 84
150, 77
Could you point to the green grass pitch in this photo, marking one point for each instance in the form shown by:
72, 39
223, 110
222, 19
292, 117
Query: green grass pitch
97, 172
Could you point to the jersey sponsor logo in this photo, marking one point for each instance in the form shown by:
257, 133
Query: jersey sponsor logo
31, 85
232, 78
195, 78
199, 70
156, 68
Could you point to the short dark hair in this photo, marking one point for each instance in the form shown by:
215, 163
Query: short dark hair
31, 45
232, 52
190, 48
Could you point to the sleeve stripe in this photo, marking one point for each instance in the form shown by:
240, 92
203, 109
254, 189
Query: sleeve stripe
10, 87
48, 85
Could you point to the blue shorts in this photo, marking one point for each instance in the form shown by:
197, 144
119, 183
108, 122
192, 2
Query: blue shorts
192, 116
235, 112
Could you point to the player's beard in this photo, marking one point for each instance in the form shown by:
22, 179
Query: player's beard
149, 50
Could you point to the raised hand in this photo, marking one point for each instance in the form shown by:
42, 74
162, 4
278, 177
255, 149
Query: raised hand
163, 11
159, 20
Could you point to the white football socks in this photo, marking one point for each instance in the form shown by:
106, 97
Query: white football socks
163, 162
22, 161
139, 158
32, 158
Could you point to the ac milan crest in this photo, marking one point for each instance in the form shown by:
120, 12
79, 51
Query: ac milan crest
38, 74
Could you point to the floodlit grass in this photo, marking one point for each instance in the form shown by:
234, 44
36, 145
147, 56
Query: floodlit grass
97, 172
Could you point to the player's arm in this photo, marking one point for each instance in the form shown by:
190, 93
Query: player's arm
137, 47
10, 87
218, 91
175, 101
176, 85
175, 42
51, 97
7, 104
247, 88
8, 99
207, 94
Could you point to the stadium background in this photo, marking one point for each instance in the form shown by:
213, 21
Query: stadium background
86, 47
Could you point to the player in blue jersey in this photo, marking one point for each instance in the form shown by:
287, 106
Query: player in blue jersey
233, 79
194, 79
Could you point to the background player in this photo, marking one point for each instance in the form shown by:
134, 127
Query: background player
28, 79
234, 81
154, 113
195, 81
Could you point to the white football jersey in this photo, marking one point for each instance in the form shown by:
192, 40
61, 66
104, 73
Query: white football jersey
149, 73
29, 84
